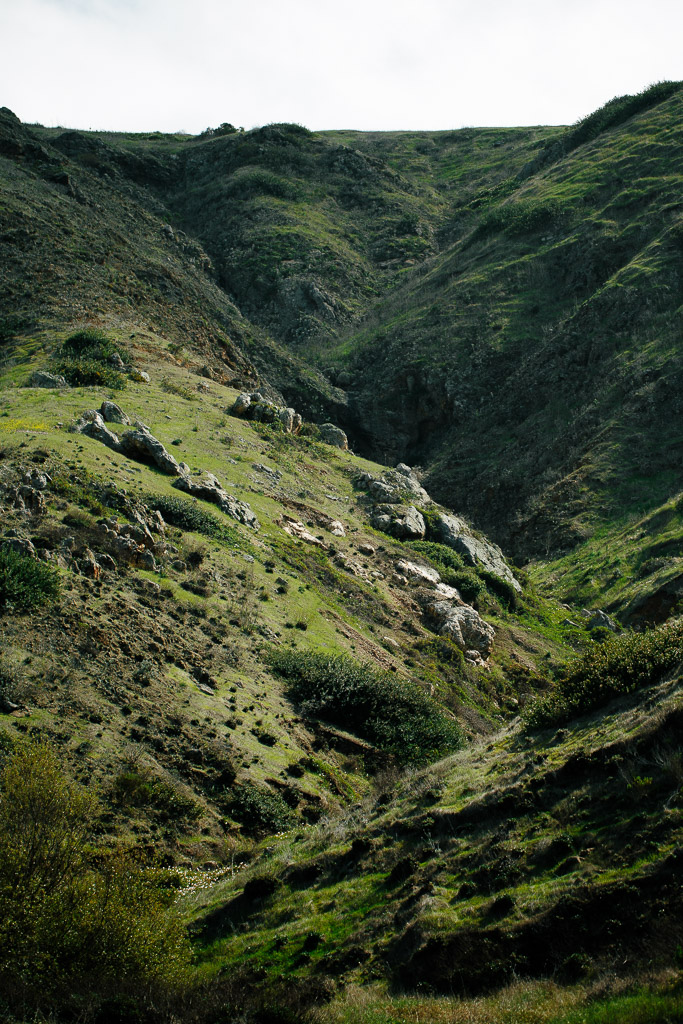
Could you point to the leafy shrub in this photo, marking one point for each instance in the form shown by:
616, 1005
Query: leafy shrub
440, 554
502, 588
610, 669
397, 717
188, 514
70, 923
135, 788
85, 360
467, 582
24, 582
260, 810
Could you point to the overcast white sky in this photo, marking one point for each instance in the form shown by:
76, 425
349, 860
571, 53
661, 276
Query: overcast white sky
167, 65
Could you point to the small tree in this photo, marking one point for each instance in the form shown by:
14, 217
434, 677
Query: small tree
71, 923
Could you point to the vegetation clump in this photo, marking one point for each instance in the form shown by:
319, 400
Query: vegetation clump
260, 810
188, 514
610, 669
89, 358
71, 924
25, 583
397, 717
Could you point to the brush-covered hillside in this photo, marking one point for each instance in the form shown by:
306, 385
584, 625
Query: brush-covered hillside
285, 734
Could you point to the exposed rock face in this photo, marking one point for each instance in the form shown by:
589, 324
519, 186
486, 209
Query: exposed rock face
394, 485
113, 413
92, 425
296, 529
253, 406
334, 436
461, 623
454, 532
401, 521
422, 573
209, 488
142, 445
43, 379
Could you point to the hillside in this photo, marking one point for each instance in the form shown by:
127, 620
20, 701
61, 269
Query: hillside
316, 748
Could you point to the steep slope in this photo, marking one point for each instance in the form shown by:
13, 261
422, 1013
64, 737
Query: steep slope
534, 365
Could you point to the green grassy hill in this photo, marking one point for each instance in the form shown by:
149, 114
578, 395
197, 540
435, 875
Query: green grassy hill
338, 760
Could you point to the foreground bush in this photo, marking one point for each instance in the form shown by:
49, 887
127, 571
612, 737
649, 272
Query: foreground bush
188, 514
610, 669
72, 925
398, 717
24, 582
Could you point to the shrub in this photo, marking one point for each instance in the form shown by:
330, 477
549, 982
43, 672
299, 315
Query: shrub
260, 810
85, 360
440, 554
502, 588
68, 923
397, 717
610, 669
25, 582
188, 514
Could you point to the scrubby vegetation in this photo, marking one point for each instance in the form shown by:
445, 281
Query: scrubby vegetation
397, 717
25, 583
189, 514
612, 668
89, 357
72, 924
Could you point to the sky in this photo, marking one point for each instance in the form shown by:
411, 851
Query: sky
185, 65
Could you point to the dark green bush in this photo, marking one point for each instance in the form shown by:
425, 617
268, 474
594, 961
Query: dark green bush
440, 555
86, 372
260, 810
85, 360
189, 514
500, 587
520, 217
467, 582
610, 669
25, 582
72, 923
397, 717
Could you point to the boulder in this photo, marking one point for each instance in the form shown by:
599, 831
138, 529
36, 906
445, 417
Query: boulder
454, 532
336, 528
334, 436
113, 413
290, 420
461, 623
141, 376
602, 619
92, 425
142, 445
209, 488
401, 521
240, 405
43, 379
421, 573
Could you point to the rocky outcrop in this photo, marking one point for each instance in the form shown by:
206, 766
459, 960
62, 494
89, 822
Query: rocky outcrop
207, 487
401, 521
335, 436
43, 379
454, 532
393, 486
139, 444
113, 413
461, 623
92, 425
253, 406
142, 445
